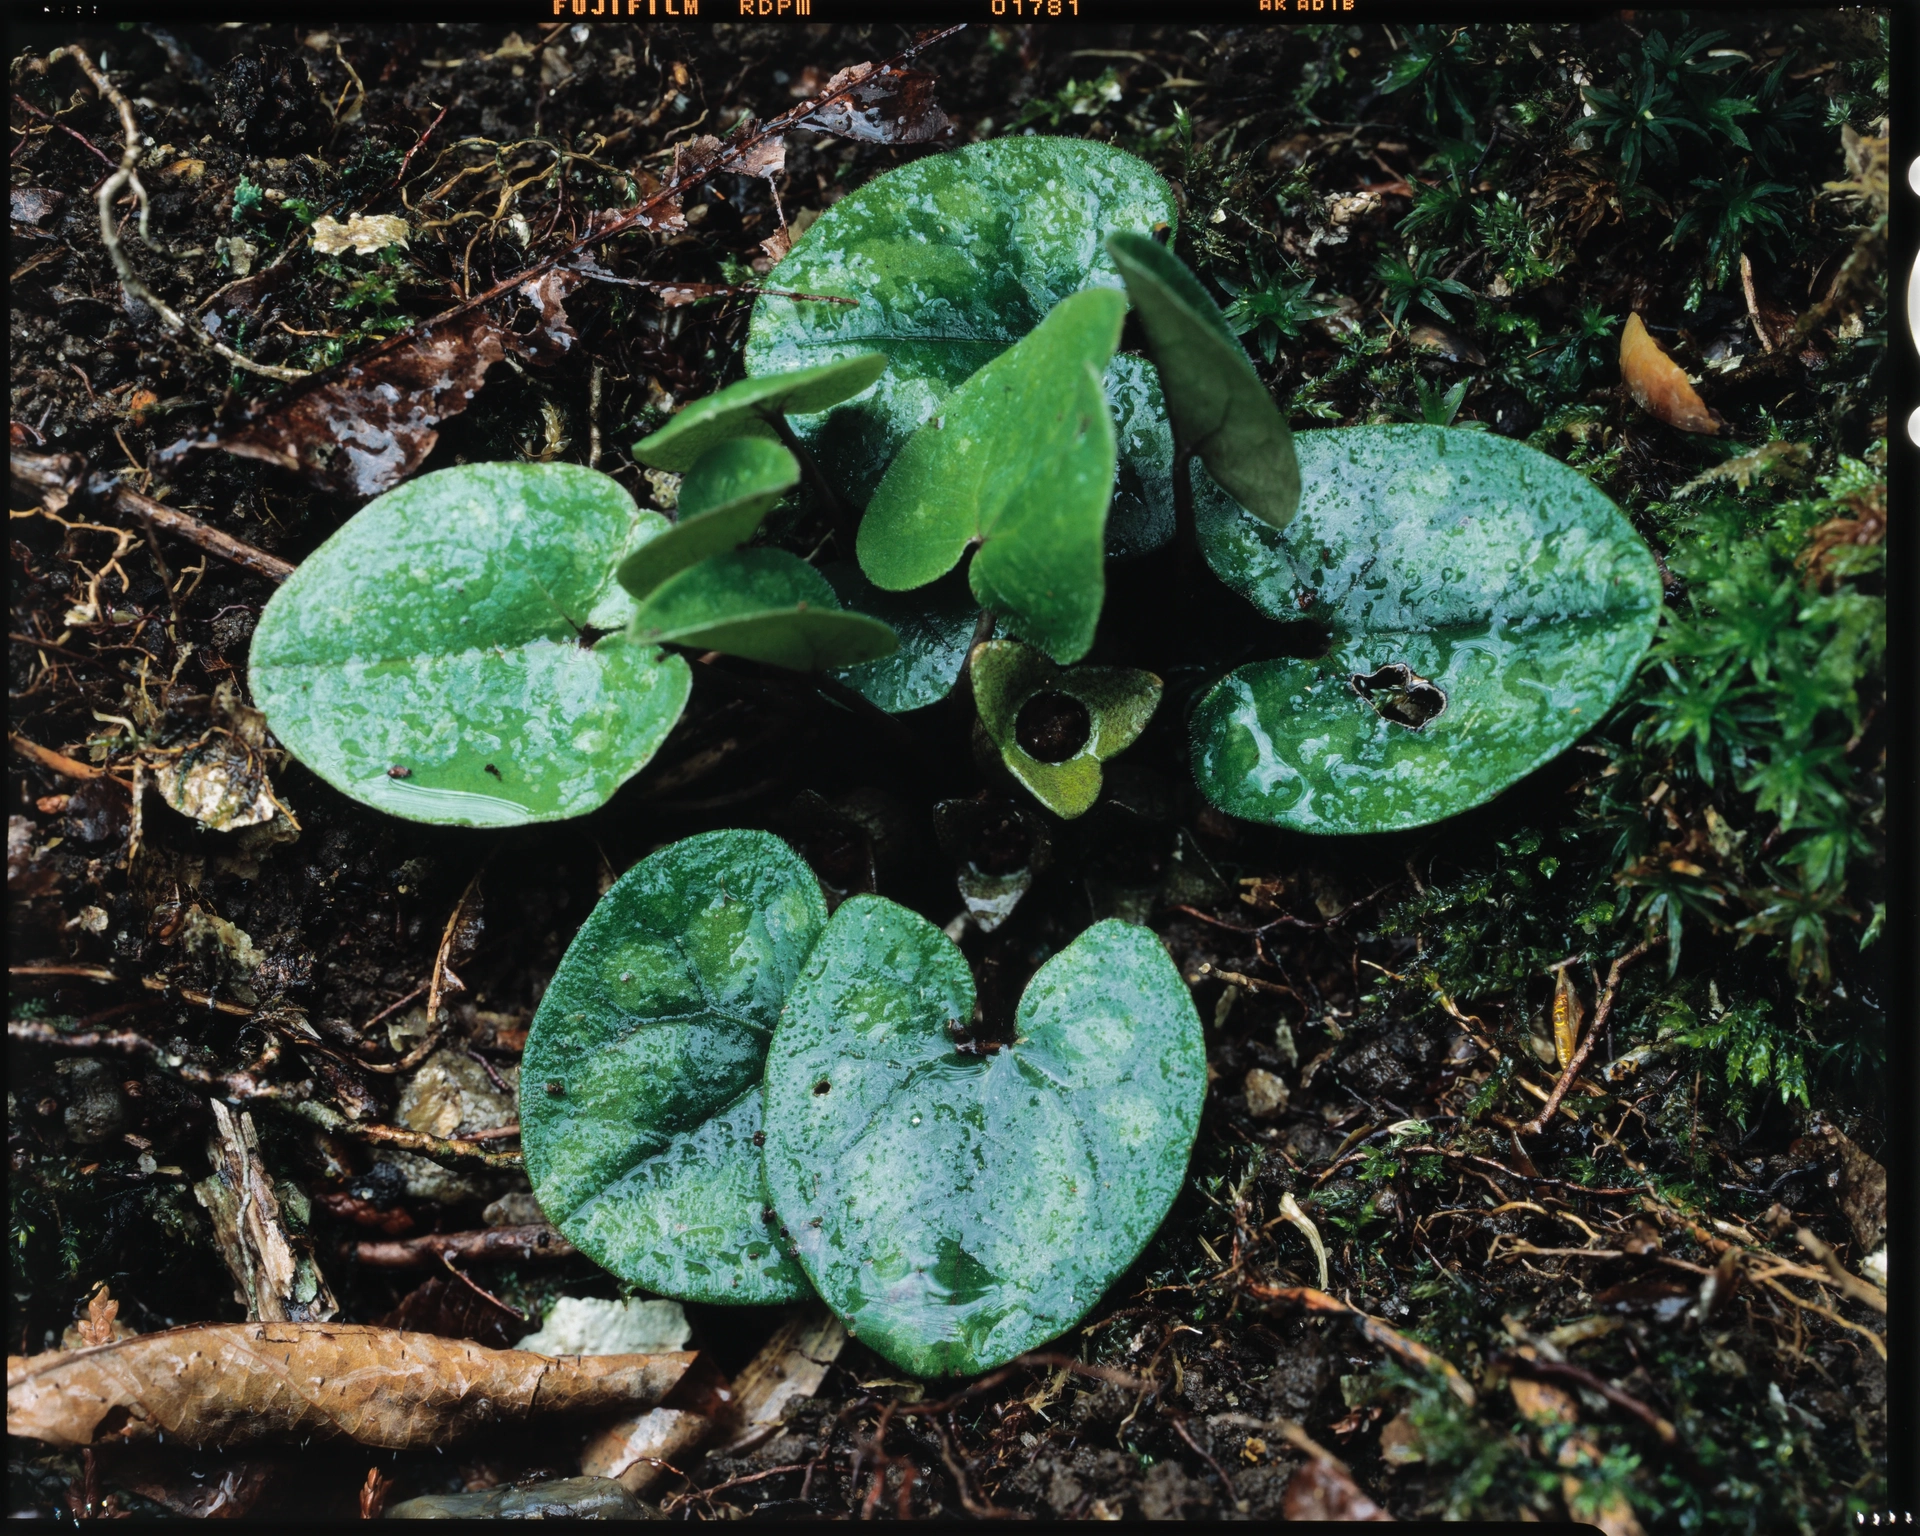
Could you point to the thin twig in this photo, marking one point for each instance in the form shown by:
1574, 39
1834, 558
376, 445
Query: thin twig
1600, 1016
1567, 1374
529, 1242
1180, 1429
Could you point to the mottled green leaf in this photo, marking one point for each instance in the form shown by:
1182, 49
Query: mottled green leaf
764, 604
952, 258
1219, 407
957, 1209
726, 495
1019, 461
427, 658
1515, 596
934, 625
748, 408
640, 1087
1119, 702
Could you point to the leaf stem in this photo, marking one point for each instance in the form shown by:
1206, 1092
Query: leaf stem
846, 522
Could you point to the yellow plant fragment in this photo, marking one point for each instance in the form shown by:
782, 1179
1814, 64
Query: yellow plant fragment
1567, 1015
1658, 384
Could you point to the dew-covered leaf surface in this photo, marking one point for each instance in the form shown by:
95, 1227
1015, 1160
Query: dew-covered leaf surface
958, 1209
728, 493
934, 626
1440, 560
953, 259
766, 605
1119, 701
427, 659
640, 1089
1020, 462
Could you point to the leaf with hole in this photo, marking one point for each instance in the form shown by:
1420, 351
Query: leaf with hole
1219, 408
1487, 607
953, 258
765, 605
436, 658
1019, 461
750, 407
1054, 728
725, 497
956, 1208
640, 1088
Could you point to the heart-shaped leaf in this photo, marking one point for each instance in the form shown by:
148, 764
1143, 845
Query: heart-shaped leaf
956, 1209
640, 1088
952, 258
428, 659
1219, 407
1020, 461
934, 625
750, 407
1487, 604
725, 497
764, 604
1076, 719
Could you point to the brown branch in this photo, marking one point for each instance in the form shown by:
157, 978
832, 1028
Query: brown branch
58, 762
1859, 1290
531, 1242
1568, 1375
1600, 1016
1373, 1330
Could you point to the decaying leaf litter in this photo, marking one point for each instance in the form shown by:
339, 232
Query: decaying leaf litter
1398, 1278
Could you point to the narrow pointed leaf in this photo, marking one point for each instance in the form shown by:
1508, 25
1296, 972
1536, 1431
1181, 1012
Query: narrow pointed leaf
953, 259
427, 659
640, 1088
727, 495
747, 408
765, 605
1487, 606
956, 1210
1020, 460
1219, 408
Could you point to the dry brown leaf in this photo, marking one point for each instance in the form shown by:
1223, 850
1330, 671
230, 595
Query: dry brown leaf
275, 1276
1325, 1490
365, 427
1400, 1441
245, 1383
363, 233
1658, 384
637, 1452
887, 105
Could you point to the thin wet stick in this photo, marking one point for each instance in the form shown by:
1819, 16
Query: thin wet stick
1601, 1014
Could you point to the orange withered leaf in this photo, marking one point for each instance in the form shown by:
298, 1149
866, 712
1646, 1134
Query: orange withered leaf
1658, 384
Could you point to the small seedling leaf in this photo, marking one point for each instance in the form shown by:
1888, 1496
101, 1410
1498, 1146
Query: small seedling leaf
640, 1087
1118, 702
1487, 606
957, 1208
953, 258
1020, 461
765, 605
1219, 408
427, 659
748, 408
725, 497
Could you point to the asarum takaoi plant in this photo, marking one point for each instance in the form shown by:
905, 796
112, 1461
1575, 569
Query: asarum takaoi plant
498, 644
